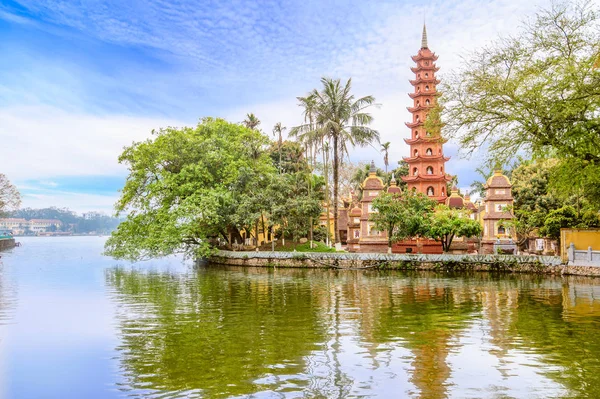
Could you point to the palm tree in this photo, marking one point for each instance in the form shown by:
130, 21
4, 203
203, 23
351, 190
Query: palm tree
251, 121
313, 138
344, 121
277, 131
385, 148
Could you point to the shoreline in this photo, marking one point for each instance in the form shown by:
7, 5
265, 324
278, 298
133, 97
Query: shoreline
550, 265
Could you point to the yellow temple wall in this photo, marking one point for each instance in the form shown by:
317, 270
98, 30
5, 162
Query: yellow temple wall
581, 238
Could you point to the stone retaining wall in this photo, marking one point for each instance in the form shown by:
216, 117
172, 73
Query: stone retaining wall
6, 243
504, 263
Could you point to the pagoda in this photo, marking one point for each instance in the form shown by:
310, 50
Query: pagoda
426, 161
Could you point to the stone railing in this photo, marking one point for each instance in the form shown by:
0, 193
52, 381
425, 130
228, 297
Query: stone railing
419, 258
587, 257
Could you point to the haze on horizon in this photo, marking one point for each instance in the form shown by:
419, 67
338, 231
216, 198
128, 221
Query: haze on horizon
80, 82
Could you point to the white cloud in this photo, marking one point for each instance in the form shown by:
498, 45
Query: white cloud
259, 47
41, 142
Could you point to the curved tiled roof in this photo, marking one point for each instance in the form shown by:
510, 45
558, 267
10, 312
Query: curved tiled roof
356, 211
498, 180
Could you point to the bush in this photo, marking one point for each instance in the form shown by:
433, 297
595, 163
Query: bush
320, 234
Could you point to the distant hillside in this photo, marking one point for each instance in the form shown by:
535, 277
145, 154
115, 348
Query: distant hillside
90, 222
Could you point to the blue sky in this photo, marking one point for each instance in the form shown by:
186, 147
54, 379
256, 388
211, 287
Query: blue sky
81, 79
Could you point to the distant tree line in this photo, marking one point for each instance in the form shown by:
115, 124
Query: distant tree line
90, 222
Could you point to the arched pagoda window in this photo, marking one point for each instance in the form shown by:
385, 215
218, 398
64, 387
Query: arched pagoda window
443, 192
426, 75
426, 88
429, 170
427, 102
430, 191
415, 171
429, 152
416, 152
417, 118
416, 134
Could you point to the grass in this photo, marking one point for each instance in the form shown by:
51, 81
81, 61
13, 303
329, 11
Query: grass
291, 246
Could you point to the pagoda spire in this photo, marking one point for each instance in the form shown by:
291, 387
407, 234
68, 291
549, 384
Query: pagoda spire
424, 37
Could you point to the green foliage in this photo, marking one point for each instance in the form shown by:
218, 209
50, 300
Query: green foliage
10, 198
402, 215
536, 91
447, 223
320, 234
567, 217
185, 186
288, 157
539, 206
335, 114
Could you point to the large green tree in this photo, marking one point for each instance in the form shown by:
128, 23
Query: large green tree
403, 215
10, 198
185, 186
537, 92
446, 223
343, 119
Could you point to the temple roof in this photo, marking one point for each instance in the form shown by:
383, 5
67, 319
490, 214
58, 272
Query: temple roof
455, 200
356, 211
498, 180
393, 188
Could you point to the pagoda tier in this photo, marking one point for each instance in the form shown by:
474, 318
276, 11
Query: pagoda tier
423, 94
424, 80
426, 162
420, 140
424, 56
425, 68
419, 107
427, 178
421, 158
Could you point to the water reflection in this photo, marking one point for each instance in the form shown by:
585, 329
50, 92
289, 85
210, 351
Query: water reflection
288, 333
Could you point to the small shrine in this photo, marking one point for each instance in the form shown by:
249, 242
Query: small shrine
497, 211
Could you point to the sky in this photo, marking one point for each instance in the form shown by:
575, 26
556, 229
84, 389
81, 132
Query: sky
80, 80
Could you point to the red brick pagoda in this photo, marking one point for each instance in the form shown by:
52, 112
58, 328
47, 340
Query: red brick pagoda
426, 161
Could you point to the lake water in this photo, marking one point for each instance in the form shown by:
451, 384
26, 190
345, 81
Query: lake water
76, 324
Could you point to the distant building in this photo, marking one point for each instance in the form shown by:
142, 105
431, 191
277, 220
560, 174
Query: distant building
19, 226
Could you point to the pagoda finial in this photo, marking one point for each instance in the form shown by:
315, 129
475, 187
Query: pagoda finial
372, 168
424, 37
393, 181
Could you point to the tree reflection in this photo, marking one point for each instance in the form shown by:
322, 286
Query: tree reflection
213, 333
220, 333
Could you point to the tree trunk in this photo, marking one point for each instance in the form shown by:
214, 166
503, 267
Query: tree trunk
336, 164
279, 145
256, 232
326, 170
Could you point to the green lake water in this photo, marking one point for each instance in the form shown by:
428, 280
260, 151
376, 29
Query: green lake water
76, 324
